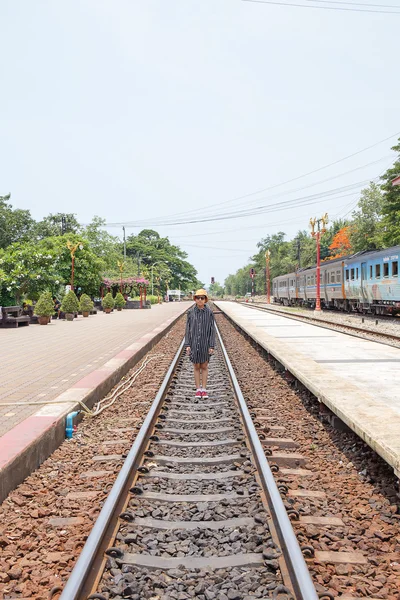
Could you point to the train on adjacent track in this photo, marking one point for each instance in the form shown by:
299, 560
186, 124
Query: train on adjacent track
366, 282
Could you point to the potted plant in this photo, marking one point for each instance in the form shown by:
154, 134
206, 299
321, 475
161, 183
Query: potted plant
44, 308
70, 305
85, 305
108, 303
119, 301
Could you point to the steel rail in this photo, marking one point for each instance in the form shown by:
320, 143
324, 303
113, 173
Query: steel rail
325, 324
298, 571
83, 567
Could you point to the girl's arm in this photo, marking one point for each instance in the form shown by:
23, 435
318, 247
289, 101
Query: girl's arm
187, 331
211, 339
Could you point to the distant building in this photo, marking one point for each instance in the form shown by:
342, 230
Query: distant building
175, 295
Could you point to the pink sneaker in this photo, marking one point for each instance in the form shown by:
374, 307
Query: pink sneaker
198, 394
204, 394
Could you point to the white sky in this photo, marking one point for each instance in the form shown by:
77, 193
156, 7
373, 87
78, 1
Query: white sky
139, 109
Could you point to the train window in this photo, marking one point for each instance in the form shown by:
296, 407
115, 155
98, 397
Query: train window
377, 271
326, 277
370, 272
395, 268
333, 277
386, 269
338, 277
352, 275
308, 280
357, 273
347, 274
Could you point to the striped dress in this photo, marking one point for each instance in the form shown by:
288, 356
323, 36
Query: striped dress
200, 333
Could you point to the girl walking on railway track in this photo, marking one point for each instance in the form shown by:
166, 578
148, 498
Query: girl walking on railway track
200, 340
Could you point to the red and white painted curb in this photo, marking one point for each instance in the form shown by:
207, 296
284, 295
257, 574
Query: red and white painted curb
28, 432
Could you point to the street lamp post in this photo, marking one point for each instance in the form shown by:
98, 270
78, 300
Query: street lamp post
73, 248
267, 259
317, 235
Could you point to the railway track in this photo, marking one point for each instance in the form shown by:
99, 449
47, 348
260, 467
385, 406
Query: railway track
195, 510
351, 329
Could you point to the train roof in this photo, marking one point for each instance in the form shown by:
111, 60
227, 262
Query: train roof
349, 257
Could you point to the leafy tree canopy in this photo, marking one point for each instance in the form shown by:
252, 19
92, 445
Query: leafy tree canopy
169, 261
390, 223
15, 224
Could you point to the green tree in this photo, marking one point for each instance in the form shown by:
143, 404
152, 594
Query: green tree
366, 233
28, 268
108, 247
390, 224
89, 267
15, 224
216, 289
56, 225
149, 248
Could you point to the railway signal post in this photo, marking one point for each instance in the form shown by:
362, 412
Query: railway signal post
267, 259
316, 233
252, 274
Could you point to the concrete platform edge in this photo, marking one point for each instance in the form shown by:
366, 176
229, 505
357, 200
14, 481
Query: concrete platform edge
370, 406
25, 447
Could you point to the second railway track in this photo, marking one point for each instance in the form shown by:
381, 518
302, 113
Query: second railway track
382, 337
195, 510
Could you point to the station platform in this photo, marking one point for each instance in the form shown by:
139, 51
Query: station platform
357, 379
59, 365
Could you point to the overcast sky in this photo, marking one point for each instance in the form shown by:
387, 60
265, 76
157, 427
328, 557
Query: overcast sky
136, 110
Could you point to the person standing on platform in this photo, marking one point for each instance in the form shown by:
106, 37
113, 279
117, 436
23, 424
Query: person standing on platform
200, 340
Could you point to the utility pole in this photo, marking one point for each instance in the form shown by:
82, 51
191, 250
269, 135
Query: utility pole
317, 235
123, 229
63, 225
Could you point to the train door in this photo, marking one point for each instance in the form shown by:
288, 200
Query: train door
325, 280
364, 276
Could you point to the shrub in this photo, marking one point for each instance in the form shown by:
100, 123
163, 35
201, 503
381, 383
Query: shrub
70, 303
108, 301
119, 300
85, 303
45, 305
153, 299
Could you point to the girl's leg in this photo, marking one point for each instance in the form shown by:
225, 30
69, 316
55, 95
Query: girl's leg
204, 374
197, 375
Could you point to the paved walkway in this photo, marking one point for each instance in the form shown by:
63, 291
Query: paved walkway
357, 379
38, 363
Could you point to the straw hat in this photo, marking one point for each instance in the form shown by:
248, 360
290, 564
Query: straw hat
201, 292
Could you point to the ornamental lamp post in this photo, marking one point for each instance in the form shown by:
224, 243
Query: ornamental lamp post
267, 261
73, 248
120, 266
317, 235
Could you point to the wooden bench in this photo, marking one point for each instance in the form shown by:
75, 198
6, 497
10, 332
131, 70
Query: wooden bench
12, 317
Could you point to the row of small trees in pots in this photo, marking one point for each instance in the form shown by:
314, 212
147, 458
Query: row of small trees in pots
44, 308
109, 302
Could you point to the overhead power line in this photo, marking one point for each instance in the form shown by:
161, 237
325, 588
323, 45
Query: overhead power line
302, 201
360, 10
355, 3
272, 187
285, 193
